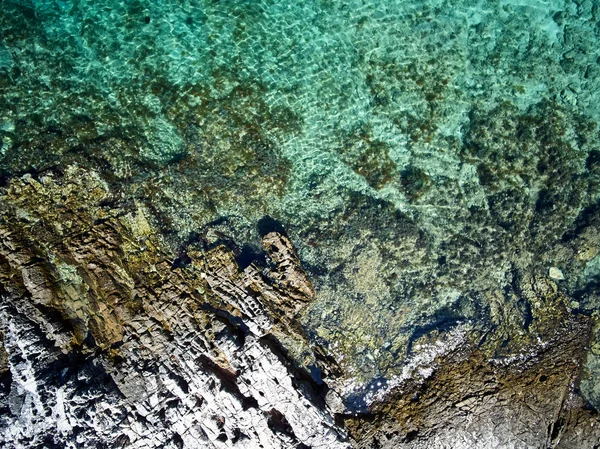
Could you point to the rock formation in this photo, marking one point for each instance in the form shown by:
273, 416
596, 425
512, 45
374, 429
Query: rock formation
111, 341
299, 224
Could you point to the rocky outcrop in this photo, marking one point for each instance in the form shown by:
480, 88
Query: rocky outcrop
112, 339
476, 400
109, 340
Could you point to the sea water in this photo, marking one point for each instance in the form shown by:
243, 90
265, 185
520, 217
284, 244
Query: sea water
418, 153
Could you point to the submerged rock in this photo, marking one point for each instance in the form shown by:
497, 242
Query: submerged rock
556, 274
299, 224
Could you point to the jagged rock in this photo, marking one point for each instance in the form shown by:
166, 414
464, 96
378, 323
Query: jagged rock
109, 339
108, 344
435, 166
474, 401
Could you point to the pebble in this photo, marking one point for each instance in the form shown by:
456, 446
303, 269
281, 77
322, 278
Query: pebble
556, 274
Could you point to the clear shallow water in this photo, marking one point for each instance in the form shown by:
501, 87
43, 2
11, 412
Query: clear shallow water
404, 145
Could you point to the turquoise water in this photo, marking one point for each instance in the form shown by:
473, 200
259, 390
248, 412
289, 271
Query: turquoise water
420, 154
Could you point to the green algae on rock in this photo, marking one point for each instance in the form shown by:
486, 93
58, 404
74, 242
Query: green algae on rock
431, 162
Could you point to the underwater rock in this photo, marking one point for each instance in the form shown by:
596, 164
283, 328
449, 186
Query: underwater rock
108, 340
292, 224
556, 274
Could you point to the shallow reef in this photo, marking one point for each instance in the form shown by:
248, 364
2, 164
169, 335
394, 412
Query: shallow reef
310, 224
